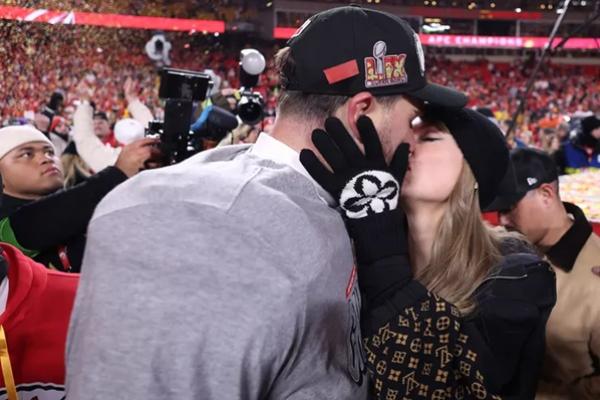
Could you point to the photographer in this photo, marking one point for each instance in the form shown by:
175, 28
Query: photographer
45, 222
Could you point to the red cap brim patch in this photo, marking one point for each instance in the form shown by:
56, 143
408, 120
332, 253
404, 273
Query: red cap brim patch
341, 72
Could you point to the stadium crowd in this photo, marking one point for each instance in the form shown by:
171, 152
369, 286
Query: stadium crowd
39, 64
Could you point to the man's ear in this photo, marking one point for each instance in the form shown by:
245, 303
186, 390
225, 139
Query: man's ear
548, 192
362, 103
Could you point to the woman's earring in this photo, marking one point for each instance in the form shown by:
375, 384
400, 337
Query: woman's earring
476, 188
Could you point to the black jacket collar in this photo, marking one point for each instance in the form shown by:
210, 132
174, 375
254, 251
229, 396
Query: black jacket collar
10, 204
564, 253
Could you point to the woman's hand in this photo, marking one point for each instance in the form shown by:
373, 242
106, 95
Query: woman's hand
362, 182
365, 186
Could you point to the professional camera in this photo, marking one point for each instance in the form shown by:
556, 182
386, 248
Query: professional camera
214, 124
250, 104
180, 89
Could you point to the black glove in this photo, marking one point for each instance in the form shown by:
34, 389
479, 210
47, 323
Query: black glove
362, 183
365, 186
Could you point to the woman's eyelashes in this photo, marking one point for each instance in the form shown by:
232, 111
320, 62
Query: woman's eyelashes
429, 138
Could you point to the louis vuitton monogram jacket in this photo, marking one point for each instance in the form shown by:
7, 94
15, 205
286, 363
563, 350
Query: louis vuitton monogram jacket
419, 346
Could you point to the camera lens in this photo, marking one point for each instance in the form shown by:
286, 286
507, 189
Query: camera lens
250, 109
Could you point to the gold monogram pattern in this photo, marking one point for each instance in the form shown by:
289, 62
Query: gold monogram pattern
424, 354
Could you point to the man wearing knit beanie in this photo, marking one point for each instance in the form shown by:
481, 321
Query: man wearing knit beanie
29, 165
37, 216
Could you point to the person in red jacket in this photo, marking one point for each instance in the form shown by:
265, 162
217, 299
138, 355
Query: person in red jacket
35, 306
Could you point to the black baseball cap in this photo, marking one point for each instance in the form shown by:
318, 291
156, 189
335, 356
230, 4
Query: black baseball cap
346, 50
589, 124
530, 169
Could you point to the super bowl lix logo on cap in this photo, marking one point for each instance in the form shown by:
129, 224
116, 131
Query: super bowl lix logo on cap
384, 70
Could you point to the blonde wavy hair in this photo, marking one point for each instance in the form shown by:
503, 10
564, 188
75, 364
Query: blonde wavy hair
73, 166
466, 248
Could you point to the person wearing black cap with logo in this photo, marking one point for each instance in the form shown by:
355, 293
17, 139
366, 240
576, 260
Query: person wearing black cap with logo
253, 262
583, 151
452, 307
531, 204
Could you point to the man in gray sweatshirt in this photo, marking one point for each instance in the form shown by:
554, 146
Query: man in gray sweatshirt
230, 275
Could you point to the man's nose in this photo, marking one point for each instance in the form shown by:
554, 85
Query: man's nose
410, 139
46, 157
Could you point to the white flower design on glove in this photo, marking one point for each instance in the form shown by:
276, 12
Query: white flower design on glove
368, 193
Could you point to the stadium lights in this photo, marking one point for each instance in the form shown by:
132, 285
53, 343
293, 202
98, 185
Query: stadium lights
518, 10
493, 5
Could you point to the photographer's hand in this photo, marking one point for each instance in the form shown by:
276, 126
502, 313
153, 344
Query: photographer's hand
136, 156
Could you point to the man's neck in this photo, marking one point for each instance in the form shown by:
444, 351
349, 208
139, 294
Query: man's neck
21, 196
293, 133
423, 223
559, 226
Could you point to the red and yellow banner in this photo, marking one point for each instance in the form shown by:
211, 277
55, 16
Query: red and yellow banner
500, 42
110, 20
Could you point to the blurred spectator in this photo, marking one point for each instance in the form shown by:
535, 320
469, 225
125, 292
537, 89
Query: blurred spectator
583, 151
34, 318
102, 128
59, 133
75, 169
91, 131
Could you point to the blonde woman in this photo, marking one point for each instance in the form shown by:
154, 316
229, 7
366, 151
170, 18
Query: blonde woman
451, 307
75, 169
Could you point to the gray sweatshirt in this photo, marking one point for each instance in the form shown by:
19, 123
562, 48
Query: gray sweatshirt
224, 277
